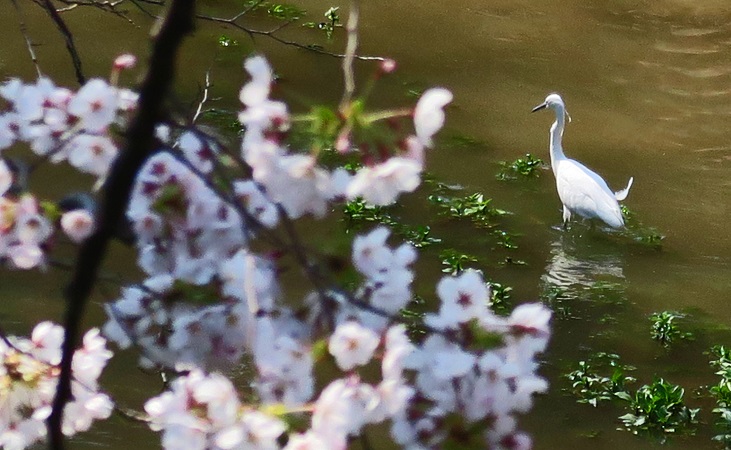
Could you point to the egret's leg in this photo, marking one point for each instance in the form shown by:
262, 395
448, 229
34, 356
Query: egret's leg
566, 217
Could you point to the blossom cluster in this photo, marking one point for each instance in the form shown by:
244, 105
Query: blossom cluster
211, 297
203, 412
58, 125
297, 182
28, 376
193, 243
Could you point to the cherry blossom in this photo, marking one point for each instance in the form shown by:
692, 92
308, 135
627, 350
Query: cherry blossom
125, 61
95, 105
352, 345
382, 183
78, 224
28, 377
429, 114
6, 177
463, 298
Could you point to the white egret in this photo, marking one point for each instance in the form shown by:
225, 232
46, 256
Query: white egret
581, 190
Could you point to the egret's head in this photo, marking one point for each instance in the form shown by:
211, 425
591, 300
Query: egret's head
553, 101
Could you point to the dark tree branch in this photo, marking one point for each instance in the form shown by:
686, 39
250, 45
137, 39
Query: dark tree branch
140, 143
68, 37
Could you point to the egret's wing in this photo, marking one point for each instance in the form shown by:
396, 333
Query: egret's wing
586, 193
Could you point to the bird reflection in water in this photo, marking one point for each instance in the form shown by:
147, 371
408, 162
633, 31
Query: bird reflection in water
583, 273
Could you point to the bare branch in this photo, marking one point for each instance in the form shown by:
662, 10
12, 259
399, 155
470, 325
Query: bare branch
68, 37
233, 22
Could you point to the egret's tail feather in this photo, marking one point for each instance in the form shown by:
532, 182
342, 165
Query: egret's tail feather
621, 195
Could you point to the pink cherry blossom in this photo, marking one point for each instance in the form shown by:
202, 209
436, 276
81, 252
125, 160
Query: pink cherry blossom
352, 345
95, 105
125, 61
381, 184
78, 224
429, 114
6, 177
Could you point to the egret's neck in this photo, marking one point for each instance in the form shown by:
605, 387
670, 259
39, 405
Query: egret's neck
556, 135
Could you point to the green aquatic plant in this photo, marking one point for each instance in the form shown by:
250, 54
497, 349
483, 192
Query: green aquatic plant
721, 393
499, 296
600, 378
665, 328
635, 230
358, 212
526, 167
474, 207
226, 41
453, 261
328, 26
285, 11
658, 408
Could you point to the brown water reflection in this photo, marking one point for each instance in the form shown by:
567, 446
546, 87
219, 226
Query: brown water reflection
648, 85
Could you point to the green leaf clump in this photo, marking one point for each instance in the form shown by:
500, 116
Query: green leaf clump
522, 167
658, 408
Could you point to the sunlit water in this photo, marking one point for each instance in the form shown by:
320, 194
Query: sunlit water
648, 86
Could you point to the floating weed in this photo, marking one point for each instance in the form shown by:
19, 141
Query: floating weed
226, 42
658, 409
499, 296
606, 293
590, 386
414, 318
505, 240
648, 236
329, 25
223, 119
526, 167
453, 261
557, 298
721, 392
439, 187
358, 212
462, 141
475, 207
285, 11
665, 328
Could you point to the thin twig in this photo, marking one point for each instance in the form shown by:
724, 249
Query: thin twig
350, 49
28, 42
233, 21
205, 97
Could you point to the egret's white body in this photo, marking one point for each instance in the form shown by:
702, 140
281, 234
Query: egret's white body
581, 190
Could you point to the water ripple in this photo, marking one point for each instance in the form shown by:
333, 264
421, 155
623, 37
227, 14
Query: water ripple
670, 47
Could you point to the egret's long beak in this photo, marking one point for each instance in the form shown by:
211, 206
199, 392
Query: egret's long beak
539, 107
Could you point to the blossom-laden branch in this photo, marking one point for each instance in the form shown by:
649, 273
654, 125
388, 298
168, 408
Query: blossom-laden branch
210, 298
29, 372
140, 143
